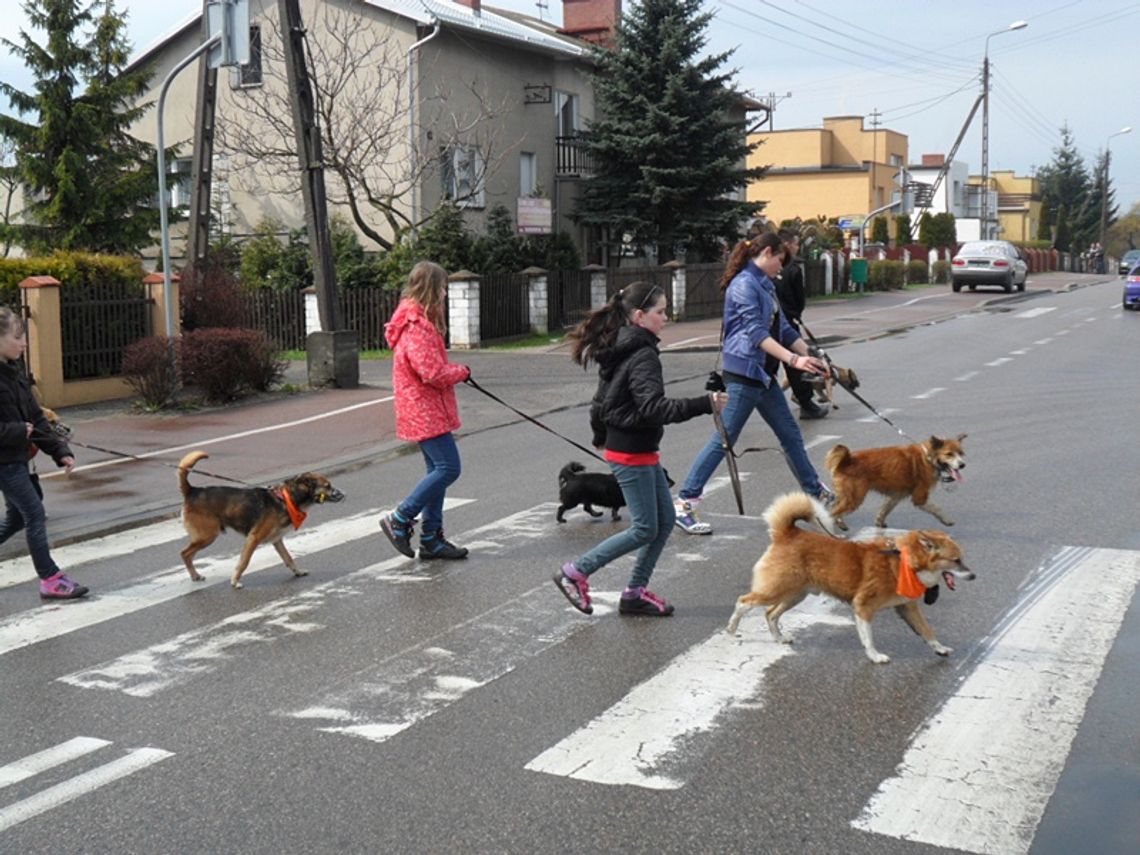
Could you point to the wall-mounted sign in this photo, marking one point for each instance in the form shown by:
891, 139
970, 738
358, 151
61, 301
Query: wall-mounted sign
536, 216
852, 221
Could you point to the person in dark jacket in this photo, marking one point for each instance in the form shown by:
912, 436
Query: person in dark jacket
628, 417
22, 422
793, 297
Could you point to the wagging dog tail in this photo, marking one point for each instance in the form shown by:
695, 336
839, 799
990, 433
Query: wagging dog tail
783, 514
837, 457
569, 470
184, 467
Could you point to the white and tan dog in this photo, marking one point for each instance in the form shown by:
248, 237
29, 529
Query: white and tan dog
867, 575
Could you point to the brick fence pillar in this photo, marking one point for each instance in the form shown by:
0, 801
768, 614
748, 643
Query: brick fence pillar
538, 300
677, 298
463, 309
597, 285
156, 293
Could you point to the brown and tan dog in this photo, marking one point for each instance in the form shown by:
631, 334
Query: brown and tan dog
824, 386
897, 472
800, 562
263, 515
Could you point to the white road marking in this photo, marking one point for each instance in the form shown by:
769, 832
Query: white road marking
1001, 360
980, 772
969, 375
44, 622
929, 393
820, 440
685, 341
14, 571
1061, 332
201, 443
1037, 312
1043, 341
873, 418
649, 737
80, 785
1021, 352
49, 758
412, 684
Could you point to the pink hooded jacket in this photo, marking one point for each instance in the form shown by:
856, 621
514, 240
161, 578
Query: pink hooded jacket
423, 380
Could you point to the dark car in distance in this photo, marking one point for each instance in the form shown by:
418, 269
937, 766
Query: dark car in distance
1129, 260
1131, 298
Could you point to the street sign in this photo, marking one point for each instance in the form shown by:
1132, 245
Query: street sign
230, 20
852, 221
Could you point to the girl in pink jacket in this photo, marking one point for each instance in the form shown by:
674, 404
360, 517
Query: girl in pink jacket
426, 411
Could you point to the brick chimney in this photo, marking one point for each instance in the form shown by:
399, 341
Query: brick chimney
475, 6
590, 20
933, 159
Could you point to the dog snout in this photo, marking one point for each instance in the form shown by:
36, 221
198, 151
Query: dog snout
964, 572
333, 495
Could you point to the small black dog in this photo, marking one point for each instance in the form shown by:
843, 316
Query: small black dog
576, 487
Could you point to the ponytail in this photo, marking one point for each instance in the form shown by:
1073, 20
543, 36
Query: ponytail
745, 251
599, 330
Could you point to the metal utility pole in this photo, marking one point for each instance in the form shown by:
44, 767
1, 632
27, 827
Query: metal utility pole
201, 171
312, 164
1104, 184
985, 220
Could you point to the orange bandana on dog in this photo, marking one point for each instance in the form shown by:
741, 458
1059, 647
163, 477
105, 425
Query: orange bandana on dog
908, 585
296, 515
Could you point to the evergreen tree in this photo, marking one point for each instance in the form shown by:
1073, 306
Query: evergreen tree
1045, 225
880, 231
667, 155
87, 183
1065, 187
903, 234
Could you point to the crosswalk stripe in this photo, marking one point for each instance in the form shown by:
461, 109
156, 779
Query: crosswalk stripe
1033, 313
14, 571
645, 738
35, 625
80, 785
49, 758
980, 772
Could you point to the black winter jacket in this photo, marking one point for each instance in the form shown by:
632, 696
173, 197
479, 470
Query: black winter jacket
790, 292
17, 406
630, 410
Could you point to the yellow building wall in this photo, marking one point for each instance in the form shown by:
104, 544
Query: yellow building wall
1019, 205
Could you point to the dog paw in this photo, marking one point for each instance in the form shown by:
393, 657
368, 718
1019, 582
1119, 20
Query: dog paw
235, 584
941, 649
841, 524
298, 572
878, 658
784, 639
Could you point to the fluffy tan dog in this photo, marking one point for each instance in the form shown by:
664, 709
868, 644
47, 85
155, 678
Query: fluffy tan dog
897, 472
870, 576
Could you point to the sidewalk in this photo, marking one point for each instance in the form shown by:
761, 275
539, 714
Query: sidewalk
258, 443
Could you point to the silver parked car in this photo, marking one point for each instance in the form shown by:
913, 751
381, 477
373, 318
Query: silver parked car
988, 262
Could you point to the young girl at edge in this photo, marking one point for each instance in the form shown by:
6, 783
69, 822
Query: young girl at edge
426, 411
628, 416
21, 419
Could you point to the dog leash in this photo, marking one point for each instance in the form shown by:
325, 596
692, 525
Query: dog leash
470, 382
70, 440
835, 376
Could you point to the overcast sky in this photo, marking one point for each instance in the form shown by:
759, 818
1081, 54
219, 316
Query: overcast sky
917, 62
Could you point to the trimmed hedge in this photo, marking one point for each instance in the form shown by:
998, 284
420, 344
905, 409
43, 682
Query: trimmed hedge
73, 269
224, 364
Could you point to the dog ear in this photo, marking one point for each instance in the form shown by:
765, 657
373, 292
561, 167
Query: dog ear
926, 542
935, 442
961, 437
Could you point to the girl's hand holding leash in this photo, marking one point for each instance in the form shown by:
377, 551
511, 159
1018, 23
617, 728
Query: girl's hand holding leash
808, 364
719, 401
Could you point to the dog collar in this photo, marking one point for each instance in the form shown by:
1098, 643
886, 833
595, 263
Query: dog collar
296, 515
908, 584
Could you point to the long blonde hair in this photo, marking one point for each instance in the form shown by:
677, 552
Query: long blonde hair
427, 286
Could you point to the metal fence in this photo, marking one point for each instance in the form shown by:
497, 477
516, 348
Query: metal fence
367, 310
569, 297
703, 297
504, 305
278, 314
620, 277
97, 322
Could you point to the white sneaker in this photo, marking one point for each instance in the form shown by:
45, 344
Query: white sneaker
687, 517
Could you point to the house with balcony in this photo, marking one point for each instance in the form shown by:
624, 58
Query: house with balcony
1018, 204
946, 187
840, 169
480, 106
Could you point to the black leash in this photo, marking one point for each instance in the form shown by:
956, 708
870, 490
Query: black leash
533, 420
835, 376
70, 440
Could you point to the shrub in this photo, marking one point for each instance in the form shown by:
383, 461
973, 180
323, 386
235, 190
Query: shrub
941, 272
224, 364
916, 271
884, 275
267, 262
150, 368
210, 298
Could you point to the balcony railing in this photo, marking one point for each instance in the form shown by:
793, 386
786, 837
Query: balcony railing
572, 160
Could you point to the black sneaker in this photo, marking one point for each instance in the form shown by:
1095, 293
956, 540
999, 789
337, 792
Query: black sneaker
812, 410
438, 546
399, 533
642, 601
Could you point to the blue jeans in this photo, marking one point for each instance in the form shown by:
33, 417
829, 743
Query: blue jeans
442, 458
26, 510
773, 408
651, 522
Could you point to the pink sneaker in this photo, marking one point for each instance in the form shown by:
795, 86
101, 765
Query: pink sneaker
642, 601
59, 587
574, 586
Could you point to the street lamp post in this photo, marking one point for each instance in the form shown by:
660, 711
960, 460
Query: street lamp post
1104, 184
985, 223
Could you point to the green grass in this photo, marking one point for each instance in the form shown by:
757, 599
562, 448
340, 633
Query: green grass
536, 340
301, 356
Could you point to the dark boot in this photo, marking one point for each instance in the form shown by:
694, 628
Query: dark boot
434, 545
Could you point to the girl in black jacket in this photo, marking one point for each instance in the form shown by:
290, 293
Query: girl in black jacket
21, 420
628, 416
